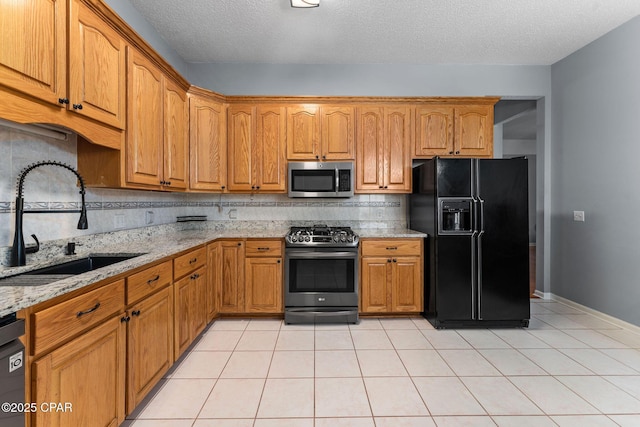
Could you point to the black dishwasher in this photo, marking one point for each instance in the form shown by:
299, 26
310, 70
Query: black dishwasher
11, 372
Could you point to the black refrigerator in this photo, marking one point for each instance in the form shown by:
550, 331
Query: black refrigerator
475, 212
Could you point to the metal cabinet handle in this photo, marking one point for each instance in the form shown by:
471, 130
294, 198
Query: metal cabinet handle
63, 100
135, 313
155, 279
193, 260
263, 249
91, 310
194, 276
392, 248
125, 319
77, 106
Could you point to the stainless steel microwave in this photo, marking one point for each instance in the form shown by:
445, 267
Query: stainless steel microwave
321, 179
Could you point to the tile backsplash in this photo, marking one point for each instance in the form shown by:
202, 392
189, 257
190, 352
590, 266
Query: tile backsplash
110, 210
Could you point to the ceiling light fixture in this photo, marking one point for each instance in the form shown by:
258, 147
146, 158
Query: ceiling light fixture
305, 3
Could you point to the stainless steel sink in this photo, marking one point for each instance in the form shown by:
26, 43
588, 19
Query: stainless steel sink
52, 273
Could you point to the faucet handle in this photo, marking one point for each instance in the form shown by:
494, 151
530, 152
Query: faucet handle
33, 248
71, 248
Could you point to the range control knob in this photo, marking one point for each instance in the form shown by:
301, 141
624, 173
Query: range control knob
350, 238
294, 239
307, 238
343, 239
336, 239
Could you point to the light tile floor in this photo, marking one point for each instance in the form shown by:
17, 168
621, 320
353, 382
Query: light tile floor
568, 369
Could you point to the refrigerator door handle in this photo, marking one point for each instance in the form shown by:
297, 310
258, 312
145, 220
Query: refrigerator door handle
479, 273
474, 217
481, 229
474, 277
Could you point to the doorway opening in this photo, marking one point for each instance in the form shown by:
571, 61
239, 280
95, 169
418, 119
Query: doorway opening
516, 134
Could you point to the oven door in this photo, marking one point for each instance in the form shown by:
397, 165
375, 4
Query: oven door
321, 277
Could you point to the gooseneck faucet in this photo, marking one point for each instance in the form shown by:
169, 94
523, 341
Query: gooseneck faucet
19, 251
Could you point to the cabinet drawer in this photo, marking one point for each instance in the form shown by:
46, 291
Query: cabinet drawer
269, 248
186, 263
61, 322
146, 282
391, 247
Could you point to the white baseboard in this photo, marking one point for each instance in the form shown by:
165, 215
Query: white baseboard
603, 316
543, 295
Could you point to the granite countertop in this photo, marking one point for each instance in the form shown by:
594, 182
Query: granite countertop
154, 244
389, 233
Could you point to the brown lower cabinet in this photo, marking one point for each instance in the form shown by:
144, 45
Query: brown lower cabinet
89, 373
251, 277
190, 293
149, 344
391, 276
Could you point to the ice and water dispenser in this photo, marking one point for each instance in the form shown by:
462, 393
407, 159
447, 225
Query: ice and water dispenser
455, 215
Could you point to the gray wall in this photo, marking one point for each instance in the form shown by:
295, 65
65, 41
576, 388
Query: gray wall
372, 79
130, 14
596, 131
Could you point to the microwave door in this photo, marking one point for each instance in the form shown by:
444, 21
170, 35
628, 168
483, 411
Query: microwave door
328, 179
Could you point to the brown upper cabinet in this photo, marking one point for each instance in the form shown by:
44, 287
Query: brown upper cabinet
208, 148
77, 68
383, 157
454, 130
157, 133
256, 144
97, 78
320, 132
34, 27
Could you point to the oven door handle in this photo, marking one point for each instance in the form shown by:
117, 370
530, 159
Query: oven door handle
322, 255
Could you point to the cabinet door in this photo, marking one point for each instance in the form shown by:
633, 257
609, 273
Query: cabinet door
144, 121
208, 142
303, 132
231, 295
397, 156
198, 302
182, 317
375, 285
406, 285
337, 133
474, 131
269, 156
34, 52
370, 149
97, 79
213, 278
263, 285
176, 136
88, 372
434, 131
150, 344
241, 136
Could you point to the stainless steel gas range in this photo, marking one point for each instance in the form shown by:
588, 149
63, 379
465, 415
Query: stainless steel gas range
321, 275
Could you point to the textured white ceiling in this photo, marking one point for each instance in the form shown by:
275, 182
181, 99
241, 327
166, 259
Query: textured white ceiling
538, 32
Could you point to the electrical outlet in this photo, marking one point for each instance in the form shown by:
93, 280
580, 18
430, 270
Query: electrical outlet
379, 213
118, 221
578, 216
148, 217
